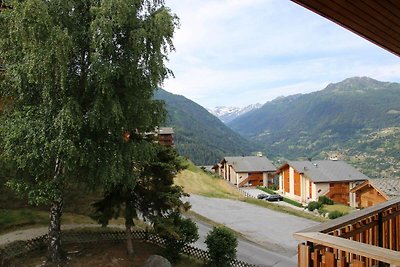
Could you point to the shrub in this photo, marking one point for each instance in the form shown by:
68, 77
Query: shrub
325, 200
273, 187
314, 205
221, 244
177, 232
336, 214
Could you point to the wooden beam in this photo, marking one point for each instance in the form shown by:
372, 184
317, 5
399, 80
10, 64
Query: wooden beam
381, 254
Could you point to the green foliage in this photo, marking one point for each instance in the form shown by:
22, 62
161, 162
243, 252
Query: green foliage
200, 136
293, 202
273, 187
21, 217
153, 195
314, 205
177, 232
335, 214
77, 81
221, 243
268, 190
325, 200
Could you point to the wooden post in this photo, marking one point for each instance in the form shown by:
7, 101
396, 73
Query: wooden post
304, 255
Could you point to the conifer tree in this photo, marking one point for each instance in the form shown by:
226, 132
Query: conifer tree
79, 74
153, 197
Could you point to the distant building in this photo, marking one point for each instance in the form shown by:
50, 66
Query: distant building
306, 181
217, 168
246, 171
165, 136
375, 191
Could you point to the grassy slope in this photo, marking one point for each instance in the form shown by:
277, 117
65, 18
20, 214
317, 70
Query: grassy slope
196, 181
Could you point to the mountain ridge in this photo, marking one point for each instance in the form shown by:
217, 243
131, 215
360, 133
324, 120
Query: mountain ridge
342, 118
227, 114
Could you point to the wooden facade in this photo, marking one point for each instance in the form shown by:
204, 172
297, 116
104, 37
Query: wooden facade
165, 136
286, 178
370, 237
369, 194
339, 192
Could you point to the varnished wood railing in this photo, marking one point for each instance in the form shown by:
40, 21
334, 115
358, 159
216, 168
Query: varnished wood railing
370, 237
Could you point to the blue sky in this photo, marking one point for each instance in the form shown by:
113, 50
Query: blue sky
241, 52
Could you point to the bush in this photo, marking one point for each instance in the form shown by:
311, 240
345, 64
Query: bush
177, 232
273, 187
325, 200
221, 244
314, 205
336, 214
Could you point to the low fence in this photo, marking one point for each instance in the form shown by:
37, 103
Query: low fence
19, 248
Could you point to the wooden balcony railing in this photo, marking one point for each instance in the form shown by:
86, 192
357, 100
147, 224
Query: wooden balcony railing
369, 237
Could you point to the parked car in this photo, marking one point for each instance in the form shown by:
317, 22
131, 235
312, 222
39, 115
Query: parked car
274, 198
262, 196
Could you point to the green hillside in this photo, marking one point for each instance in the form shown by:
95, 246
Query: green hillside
199, 135
357, 119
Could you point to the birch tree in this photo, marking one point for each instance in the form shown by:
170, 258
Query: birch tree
79, 75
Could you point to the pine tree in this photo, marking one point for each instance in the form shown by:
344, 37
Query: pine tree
154, 196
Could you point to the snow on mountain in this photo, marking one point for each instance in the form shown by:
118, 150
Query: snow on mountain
227, 114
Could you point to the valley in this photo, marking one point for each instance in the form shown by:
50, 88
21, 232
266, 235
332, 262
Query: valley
356, 120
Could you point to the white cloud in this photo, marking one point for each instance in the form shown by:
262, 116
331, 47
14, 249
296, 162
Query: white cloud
241, 52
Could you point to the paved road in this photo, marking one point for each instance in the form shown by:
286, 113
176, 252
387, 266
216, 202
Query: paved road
270, 229
248, 251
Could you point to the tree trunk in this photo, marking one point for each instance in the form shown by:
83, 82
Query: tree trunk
129, 209
55, 253
129, 245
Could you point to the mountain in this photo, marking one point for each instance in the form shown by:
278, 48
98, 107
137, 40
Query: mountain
227, 114
357, 119
199, 135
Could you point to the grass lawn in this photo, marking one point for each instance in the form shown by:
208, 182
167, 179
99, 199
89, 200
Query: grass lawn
338, 207
26, 218
196, 181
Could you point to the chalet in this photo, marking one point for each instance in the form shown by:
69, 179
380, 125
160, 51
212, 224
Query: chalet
374, 191
247, 171
306, 181
165, 136
217, 168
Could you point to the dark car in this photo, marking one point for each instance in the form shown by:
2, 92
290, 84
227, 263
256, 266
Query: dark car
262, 196
274, 198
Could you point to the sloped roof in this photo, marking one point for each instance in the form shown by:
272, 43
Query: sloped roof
320, 171
389, 186
165, 130
250, 164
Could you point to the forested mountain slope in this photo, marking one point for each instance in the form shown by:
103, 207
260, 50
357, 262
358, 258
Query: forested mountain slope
199, 135
357, 119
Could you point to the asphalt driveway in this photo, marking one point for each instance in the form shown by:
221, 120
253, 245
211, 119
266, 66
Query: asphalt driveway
270, 229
